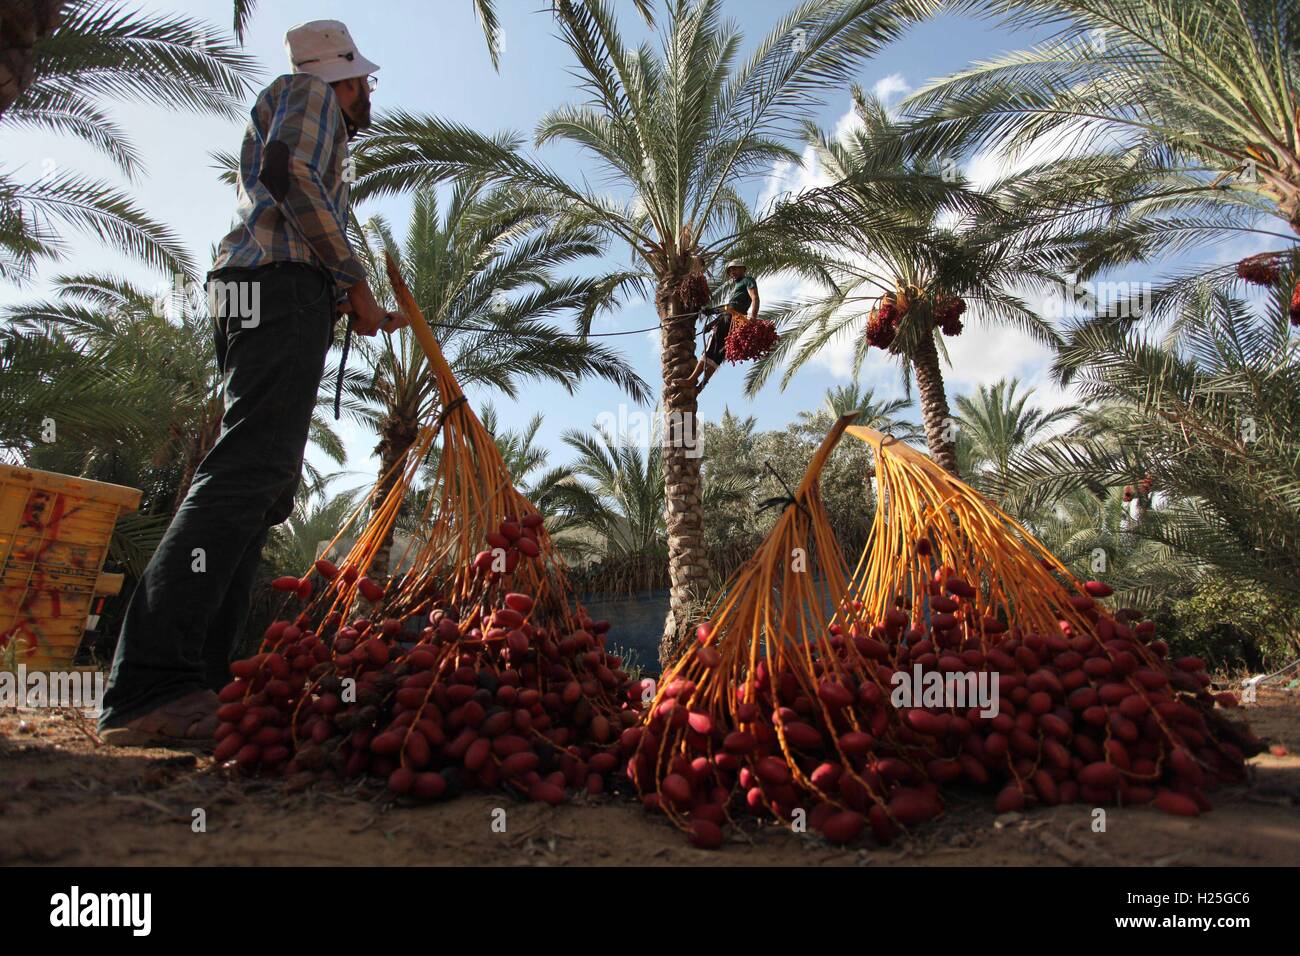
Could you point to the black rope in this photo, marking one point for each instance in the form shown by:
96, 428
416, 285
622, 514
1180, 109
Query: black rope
442, 419
784, 501
347, 341
451, 407
343, 364
568, 335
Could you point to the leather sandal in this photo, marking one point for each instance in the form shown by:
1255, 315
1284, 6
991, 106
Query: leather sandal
189, 721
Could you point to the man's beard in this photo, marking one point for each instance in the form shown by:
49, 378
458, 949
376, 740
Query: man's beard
357, 118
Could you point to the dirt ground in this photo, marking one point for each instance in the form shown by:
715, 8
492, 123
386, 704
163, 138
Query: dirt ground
64, 800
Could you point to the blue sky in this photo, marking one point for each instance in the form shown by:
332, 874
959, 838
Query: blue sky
434, 60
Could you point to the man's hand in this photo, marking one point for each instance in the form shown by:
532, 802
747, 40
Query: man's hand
393, 322
367, 315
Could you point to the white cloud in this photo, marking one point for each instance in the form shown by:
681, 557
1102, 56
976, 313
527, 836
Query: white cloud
890, 88
846, 124
983, 354
996, 162
784, 179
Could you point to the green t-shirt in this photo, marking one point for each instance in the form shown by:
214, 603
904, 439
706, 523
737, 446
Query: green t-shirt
738, 293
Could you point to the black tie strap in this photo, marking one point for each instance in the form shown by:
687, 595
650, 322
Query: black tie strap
343, 364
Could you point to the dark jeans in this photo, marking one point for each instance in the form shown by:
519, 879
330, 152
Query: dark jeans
188, 610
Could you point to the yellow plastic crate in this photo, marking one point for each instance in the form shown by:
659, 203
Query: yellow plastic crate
54, 534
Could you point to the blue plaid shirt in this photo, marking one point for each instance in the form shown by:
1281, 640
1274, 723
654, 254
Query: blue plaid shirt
308, 223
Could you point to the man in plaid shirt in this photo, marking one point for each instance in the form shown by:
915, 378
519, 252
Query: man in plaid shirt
278, 282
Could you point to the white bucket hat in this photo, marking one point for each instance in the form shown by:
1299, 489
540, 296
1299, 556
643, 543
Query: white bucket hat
735, 264
325, 48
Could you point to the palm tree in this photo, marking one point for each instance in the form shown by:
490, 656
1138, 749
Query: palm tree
484, 10
132, 391
518, 449
1198, 101
1095, 537
674, 132
732, 458
523, 457
81, 51
624, 501
882, 414
1000, 425
316, 518
483, 272
904, 239
167, 395
617, 491
1209, 421
554, 490
550, 489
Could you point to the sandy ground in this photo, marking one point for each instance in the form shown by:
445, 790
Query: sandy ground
64, 800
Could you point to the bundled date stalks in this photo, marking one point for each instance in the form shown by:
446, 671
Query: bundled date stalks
473, 669
1265, 269
945, 313
960, 652
749, 339
1089, 705
693, 288
766, 713
1260, 269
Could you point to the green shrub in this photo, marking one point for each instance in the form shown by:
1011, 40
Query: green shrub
1231, 625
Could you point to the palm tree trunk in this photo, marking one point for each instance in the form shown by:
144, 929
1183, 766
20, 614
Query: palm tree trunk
398, 436
22, 25
934, 405
1282, 185
684, 515
1289, 204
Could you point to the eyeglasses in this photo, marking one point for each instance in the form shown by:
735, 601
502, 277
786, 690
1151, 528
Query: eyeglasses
371, 81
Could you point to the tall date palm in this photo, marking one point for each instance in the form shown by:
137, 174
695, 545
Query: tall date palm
672, 133
56, 66
1198, 104
482, 266
1209, 419
131, 391
1000, 424
902, 237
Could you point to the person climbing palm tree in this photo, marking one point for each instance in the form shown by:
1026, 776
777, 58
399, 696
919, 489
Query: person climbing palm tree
741, 296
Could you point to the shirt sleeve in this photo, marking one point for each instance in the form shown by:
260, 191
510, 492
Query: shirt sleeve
305, 122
